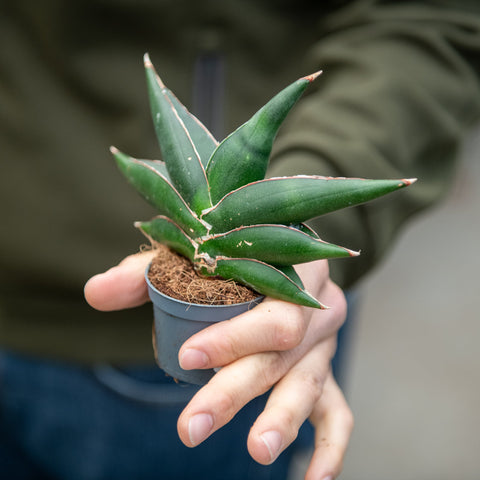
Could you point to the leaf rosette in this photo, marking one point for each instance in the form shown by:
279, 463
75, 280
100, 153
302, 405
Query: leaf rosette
216, 207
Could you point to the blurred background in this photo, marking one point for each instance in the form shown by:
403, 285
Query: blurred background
413, 379
414, 367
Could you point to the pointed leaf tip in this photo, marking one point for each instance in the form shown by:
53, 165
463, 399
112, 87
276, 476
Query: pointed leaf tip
409, 181
149, 66
113, 150
313, 76
243, 157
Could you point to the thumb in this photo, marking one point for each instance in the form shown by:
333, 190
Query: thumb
120, 287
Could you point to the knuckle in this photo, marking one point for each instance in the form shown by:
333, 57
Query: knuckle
226, 404
227, 345
336, 316
323, 269
321, 272
221, 343
272, 367
312, 384
340, 301
289, 330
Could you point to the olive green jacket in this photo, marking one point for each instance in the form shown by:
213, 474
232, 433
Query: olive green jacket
399, 90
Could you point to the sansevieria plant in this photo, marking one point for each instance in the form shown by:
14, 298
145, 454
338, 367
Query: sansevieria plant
216, 207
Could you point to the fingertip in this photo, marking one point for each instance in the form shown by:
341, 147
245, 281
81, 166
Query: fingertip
182, 430
324, 467
194, 429
191, 358
333, 434
122, 286
92, 291
264, 448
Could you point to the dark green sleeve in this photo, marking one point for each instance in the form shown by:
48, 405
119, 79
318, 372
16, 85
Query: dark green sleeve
398, 92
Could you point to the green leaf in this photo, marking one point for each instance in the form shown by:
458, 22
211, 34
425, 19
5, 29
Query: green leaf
292, 274
157, 165
243, 156
275, 244
263, 278
288, 200
178, 150
154, 186
204, 141
305, 229
163, 230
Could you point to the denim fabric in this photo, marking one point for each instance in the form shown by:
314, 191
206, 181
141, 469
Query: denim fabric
62, 421
345, 337
65, 422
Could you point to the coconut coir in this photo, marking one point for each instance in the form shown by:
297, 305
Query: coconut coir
175, 276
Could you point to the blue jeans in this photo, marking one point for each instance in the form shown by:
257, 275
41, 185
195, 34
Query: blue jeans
60, 421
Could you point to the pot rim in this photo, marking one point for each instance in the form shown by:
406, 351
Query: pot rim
189, 305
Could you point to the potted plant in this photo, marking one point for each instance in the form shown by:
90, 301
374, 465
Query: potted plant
217, 210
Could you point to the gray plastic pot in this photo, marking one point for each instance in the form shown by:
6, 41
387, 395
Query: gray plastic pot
176, 321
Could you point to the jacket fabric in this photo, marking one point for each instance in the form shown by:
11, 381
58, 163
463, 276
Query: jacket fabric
399, 89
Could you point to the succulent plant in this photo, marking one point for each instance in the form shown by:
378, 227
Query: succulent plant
216, 207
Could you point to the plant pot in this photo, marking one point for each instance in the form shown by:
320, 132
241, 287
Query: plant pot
175, 321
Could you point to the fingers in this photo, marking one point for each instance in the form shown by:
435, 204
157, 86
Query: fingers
290, 404
276, 343
273, 325
228, 391
308, 386
122, 286
299, 374
333, 421
250, 376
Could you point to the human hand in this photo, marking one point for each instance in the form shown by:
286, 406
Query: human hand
276, 344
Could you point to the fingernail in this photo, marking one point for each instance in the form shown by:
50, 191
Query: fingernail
328, 478
192, 358
273, 441
199, 427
